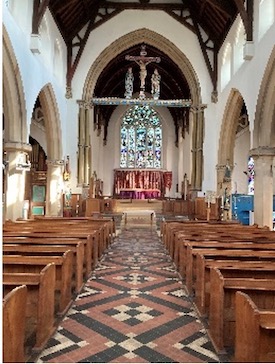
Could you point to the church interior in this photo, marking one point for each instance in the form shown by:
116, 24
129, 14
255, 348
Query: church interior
138, 187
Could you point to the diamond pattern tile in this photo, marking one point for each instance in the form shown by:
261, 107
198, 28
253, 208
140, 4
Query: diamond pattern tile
133, 309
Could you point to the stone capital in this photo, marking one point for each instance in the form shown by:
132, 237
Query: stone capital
262, 152
196, 109
84, 104
55, 162
14, 146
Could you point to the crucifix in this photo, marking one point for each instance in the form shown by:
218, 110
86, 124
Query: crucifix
142, 61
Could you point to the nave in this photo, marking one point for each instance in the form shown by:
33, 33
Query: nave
133, 309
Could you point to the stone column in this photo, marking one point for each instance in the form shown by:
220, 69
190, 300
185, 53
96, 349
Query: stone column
194, 150
14, 195
81, 143
197, 148
87, 147
263, 185
54, 187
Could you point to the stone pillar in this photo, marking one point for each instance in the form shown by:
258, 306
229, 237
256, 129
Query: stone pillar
197, 147
263, 185
87, 147
14, 195
54, 187
81, 143
194, 151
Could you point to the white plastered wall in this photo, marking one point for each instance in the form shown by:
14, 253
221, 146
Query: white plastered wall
246, 78
36, 74
187, 42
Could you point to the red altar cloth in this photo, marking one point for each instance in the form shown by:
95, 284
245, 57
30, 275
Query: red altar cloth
139, 193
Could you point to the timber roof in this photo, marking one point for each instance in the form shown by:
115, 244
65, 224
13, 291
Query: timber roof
210, 20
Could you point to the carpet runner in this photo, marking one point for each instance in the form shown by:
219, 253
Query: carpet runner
134, 309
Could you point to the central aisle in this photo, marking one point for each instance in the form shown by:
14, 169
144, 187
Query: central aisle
133, 309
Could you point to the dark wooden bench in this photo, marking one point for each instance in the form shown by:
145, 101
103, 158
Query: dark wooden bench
212, 231
34, 264
104, 228
108, 222
255, 332
220, 253
90, 240
14, 325
228, 268
39, 319
181, 246
222, 305
34, 247
218, 245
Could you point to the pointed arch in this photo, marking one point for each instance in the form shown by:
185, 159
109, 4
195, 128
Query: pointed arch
143, 36
264, 125
228, 128
14, 105
52, 122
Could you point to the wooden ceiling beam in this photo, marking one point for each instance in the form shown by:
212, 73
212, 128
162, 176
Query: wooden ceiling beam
80, 43
182, 19
212, 67
246, 16
144, 5
39, 9
225, 9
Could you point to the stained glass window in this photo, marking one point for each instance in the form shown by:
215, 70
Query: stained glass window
140, 138
251, 175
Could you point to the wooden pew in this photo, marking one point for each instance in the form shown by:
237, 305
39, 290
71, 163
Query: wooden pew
14, 325
107, 222
255, 332
219, 245
34, 264
104, 227
222, 305
32, 247
40, 320
228, 268
181, 245
212, 231
220, 253
90, 240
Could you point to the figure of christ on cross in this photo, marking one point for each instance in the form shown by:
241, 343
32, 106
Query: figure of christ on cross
142, 61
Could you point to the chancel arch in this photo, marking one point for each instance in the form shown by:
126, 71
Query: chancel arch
156, 40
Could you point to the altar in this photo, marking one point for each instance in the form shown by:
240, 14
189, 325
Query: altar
141, 183
139, 193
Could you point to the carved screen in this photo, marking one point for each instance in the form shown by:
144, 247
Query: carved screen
140, 138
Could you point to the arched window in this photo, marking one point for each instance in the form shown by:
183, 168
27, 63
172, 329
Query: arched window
141, 138
226, 66
238, 46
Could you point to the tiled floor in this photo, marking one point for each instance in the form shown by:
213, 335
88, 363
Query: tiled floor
133, 309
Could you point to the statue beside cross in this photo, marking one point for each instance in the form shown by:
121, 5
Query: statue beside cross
142, 60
